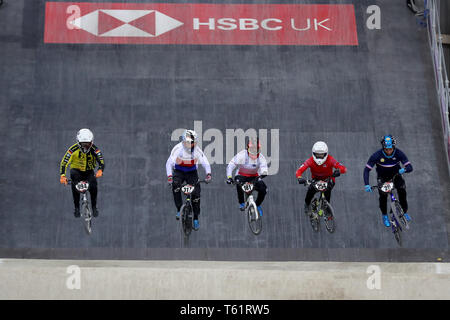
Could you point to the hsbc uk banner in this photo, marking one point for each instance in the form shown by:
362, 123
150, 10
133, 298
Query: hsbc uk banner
201, 24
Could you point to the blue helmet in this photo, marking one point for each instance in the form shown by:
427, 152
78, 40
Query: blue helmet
388, 141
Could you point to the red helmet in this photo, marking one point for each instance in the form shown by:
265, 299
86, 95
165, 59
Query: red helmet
253, 148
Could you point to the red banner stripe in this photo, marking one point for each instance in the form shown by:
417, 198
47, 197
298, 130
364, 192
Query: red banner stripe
209, 24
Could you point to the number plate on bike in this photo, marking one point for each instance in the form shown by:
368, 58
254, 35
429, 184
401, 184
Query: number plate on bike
82, 186
387, 187
247, 187
321, 185
187, 189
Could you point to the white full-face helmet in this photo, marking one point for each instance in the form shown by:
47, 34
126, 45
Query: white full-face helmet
85, 139
320, 152
189, 138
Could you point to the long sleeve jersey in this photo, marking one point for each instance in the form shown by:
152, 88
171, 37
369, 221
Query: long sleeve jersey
387, 167
247, 166
186, 160
80, 160
323, 171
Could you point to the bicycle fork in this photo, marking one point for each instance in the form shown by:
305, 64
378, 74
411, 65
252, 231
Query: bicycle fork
395, 223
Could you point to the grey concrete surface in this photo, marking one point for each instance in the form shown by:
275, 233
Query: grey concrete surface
134, 96
216, 280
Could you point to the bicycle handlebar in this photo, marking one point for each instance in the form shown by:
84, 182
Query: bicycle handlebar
381, 183
311, 181
185, 184
240, 183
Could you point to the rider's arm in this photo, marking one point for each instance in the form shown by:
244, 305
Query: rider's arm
302, 169
340, 166
204, 161
404, 159
369, 166
263, 169
232, 166
99, 157
170, 163
67, 159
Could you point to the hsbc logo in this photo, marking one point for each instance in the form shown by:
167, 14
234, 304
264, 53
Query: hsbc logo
270, 24
207, 24
124, 23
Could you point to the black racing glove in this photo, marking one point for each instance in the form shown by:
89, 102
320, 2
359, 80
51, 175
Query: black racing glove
229, 180
336, 173
301, 180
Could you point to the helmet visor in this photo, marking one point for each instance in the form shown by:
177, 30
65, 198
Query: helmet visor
85, 146
189, 143
318, 155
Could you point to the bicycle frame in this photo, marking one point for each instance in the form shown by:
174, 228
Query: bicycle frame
321, 198
83, 187
188, 190
388, 188
248, 195
251, 209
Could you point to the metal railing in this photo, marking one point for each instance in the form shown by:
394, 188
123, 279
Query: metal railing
431, 15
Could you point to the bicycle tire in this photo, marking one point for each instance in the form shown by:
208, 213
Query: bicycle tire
187, 220
314, 217
328, 217
400, 215
396, 228
254, 219
87, 217
398, 237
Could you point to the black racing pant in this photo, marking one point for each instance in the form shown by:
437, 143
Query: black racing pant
259, 186
190, 177
312, 191
89, 176
400, 185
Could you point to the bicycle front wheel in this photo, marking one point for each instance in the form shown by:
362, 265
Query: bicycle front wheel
400, 215
328, 217
187, 219
254, 219
396, 229
87, 217
314, 216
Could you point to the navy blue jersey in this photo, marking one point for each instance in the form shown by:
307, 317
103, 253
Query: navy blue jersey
387, 167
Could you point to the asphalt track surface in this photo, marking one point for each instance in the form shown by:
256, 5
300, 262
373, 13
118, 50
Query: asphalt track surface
134, 96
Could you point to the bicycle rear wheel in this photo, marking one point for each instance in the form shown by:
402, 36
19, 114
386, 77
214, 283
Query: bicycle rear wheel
254, 219
187, 218
328, 217
87, 217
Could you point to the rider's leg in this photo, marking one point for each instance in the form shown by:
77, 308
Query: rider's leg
90, 177
192, 178
308, 198
240, 193
383, 207
309, 195
261, 187
328, 191
400, 185
75, 176
178, 178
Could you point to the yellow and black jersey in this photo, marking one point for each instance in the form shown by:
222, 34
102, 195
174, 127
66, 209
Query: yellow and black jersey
80, 160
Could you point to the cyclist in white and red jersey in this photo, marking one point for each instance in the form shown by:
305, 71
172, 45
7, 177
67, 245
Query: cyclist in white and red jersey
252, 167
